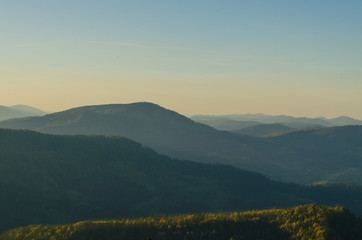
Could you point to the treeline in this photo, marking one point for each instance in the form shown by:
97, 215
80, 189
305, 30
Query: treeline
303, 222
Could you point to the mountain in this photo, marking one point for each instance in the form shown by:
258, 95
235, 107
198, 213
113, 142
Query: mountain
226, 124
161, 129
301, 125
335, 153
306, 156
32, 111
49, 179
262, 130
284, 119
19, 111
289, 121
302, 222
340, 121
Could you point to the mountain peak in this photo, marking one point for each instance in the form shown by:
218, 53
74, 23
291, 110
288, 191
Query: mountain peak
19, 111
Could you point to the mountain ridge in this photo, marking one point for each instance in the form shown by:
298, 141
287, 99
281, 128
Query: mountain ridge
19, 111
289, 121
177, 136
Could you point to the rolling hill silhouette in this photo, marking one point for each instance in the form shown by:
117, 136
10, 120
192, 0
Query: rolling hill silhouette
231, 122
304, 156
19, 111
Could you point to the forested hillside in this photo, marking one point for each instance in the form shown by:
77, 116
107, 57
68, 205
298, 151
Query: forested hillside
301, 157
303, 223
61, 179
54, 179
335, 153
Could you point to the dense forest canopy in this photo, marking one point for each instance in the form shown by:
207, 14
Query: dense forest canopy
303, 223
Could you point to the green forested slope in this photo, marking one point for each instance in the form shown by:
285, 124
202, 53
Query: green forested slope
303, 222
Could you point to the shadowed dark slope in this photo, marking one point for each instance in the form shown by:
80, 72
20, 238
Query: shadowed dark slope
57, 179
328, 152
53, 179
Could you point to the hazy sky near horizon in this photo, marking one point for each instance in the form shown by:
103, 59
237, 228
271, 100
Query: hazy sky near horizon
301, 58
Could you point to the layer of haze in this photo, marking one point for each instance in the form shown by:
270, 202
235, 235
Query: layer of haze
301, 58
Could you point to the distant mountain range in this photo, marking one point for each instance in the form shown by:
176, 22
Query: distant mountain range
308, 156
226, 124
19, 111
262, 130
239, 121
51, 179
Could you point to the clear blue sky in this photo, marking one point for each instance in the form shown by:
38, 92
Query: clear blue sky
302, 58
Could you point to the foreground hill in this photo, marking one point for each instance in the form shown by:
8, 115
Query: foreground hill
57, 179
19, 111
302, 157
304, 222
261, 130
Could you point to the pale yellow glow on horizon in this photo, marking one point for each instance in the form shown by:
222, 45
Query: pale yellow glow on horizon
57, 89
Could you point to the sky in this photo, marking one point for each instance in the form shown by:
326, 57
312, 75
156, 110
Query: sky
300, 58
